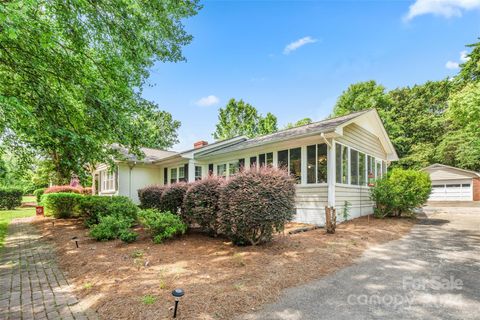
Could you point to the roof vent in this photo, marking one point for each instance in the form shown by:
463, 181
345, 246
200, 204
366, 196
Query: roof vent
200, 144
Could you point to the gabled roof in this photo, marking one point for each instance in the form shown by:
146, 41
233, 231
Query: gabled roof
442, 166
325, 126
286, 134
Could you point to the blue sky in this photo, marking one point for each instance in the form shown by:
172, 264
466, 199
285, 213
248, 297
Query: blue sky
240, 51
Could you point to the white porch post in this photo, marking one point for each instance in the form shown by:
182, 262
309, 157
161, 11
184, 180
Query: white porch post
191, 170
303, 165
331, 173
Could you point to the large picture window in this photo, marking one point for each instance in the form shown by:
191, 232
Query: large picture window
317, 163
222, 170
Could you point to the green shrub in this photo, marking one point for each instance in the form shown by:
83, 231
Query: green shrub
400, 192
162, 225
150, 196
38, 193
61, 205
201, 204
110, 227
128, 236
172, 197
91, 208
10, 198
256, 203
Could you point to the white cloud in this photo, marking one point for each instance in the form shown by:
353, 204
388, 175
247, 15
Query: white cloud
463, 56
207, 101
451, 65
456, 64
298, 43
445, 8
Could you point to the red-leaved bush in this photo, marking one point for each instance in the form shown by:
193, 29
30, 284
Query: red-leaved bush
172, 197
57, 189
256, 203
150, 196
201, 204
87, 191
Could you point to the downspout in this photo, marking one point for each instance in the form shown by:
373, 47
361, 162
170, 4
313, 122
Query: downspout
131, 166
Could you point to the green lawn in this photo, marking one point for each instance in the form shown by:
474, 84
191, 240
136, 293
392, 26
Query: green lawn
29, 199
8, 215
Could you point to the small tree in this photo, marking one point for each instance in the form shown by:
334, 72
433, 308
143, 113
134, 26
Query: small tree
400, 192
256, 203
150, 196
201, 204
172, 198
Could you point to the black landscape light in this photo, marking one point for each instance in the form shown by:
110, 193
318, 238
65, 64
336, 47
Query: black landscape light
76, 241
177, 294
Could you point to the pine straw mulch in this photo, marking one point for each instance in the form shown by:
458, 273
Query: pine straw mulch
219, 279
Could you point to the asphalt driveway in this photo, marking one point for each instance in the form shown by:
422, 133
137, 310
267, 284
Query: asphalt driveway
431, 273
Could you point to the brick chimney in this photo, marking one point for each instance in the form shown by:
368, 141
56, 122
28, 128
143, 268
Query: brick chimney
200, 144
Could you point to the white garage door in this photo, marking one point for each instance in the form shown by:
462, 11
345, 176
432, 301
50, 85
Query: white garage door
457, 190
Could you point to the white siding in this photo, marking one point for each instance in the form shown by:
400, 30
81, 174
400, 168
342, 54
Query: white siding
362, 140
358, 198
310, 203
141, 176
447, 174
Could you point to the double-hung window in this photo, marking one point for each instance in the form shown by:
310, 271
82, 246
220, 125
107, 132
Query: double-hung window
173, 175
198, 173
108, 180
317, 163
222, 170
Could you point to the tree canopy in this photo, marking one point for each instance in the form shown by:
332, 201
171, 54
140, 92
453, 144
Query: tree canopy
299, 123
241, 118
71, 75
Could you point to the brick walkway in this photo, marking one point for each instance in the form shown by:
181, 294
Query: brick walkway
31, 284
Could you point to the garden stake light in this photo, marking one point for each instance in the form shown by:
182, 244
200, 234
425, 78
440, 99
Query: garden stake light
177, 294
76, 240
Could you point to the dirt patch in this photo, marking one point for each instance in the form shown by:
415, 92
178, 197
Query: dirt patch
220, 280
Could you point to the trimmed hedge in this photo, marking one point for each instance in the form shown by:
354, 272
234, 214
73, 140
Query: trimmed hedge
92, 208
63, 189
10, 198
172, 198
61, 205
400, 192
38, 193
201, 204
162, 225
150, 196
256, 203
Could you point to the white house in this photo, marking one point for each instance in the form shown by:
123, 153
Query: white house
333, 161
453, 184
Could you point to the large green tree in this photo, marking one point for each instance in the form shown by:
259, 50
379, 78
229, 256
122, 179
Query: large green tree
241, 118
413, 116
470, 70
71, 74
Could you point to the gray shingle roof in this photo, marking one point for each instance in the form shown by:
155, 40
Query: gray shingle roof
150, 154
305, 130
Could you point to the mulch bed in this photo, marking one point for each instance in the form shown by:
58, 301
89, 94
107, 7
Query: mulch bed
219, 279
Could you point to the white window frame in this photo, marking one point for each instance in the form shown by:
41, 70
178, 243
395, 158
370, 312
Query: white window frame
316, 183
375, 161
108, 180
177, 179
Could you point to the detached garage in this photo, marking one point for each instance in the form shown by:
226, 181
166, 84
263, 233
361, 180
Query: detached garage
453, 184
